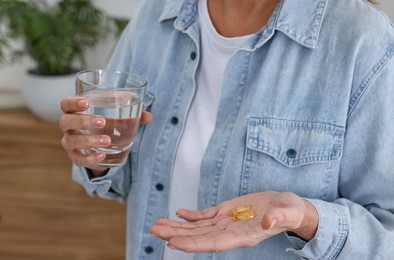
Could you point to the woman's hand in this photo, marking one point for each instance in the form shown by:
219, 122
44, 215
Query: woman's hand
74, 142
216, 230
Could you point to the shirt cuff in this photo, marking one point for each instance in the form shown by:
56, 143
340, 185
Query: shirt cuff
330, 236
96, 186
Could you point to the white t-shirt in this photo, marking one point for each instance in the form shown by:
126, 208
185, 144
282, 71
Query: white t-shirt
215, 53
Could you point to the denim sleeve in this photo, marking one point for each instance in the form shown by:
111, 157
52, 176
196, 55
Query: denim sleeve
360, 224
114, 185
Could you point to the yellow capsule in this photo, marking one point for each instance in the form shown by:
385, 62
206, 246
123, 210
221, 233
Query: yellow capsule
245, 215
239, 209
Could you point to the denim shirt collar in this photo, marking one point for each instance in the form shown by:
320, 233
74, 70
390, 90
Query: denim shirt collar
184, 12
300, 20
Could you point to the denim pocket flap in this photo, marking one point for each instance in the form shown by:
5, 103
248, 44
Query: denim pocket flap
295, 143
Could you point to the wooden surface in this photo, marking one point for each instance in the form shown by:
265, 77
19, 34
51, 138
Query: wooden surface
43, 213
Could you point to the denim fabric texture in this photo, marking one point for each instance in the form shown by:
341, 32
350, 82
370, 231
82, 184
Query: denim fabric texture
307, 106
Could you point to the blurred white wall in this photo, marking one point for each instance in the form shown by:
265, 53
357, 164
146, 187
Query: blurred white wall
11, 77
123, 8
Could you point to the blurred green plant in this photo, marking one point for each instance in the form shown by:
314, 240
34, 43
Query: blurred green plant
54, 36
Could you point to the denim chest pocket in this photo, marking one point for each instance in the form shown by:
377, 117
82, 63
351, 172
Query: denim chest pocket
287, 155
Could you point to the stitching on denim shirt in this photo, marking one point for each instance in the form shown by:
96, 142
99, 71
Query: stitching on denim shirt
187, 15
283, 124
373, 74
308, 39
269, 29
305, 157
343, 227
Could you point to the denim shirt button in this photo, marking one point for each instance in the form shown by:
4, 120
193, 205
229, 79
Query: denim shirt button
149, 250
291, 153
159, 187
174, 120
193, 55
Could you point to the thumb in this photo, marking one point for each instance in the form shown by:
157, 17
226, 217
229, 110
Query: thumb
268, 222
285, 211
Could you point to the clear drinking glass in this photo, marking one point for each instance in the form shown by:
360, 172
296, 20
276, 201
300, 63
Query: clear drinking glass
118, 97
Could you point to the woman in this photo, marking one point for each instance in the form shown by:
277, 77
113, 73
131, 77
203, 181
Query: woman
274, 118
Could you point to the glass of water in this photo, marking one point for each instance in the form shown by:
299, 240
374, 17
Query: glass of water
118, 97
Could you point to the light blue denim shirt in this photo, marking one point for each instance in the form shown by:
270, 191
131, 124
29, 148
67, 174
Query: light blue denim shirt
307, 106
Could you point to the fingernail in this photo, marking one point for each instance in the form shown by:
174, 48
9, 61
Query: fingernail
104, 140
172, 247
100, 156
273, 223
99, 121
83, 103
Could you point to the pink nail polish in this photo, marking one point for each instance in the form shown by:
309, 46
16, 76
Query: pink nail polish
100, 156
104, 140
99, 121
83, 104
273, 223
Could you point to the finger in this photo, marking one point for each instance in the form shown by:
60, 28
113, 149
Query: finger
195, 215
219, 241
146, 117
197, 244
74, 104
81, 141
168, 222
72, 122
268, 222
88, 160
193, 225
190, 229
188, 225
